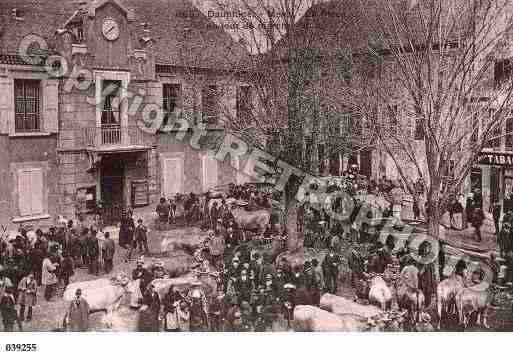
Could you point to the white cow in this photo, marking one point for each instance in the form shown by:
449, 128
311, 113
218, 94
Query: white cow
379, 293
313, 319
101, 294
339, 305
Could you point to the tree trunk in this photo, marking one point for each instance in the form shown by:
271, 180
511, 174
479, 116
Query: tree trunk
294, 240
433, 228
294, 237
433, 225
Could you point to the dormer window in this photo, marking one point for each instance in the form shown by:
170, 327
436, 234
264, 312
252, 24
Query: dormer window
76, 27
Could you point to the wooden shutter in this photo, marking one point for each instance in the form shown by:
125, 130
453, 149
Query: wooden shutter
209, 165
24, 193
37, 191
6, 105
172, 173
50, 105
30, 192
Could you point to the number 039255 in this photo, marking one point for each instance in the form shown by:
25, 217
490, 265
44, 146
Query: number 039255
20, 347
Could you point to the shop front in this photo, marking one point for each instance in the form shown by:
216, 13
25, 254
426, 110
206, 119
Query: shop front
494, 177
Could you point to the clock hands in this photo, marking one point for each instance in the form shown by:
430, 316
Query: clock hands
109, 30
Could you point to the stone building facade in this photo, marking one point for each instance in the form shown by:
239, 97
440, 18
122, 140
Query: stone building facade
112, 68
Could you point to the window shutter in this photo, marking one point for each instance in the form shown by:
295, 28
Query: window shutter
209, 165
6, 105
36, 187
172, 176
51, 105
212, 171
24, 193
30, 192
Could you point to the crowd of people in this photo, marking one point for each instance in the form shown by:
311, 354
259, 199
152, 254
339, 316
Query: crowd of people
30, 260
253, 291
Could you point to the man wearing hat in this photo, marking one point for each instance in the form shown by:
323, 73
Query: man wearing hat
162, 210
141, 273
243, 287
77, 316
505, 238
214, 215
198, 308
330, 268
8, 310
218, 310
234, 270
231, 240
141, 237
149, 312
159, 271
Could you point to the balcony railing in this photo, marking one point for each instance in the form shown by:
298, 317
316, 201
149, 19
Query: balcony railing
112, 135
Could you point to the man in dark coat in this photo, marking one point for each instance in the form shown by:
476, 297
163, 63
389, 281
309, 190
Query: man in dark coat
384, 256
149, 312
214, 214
469, 208
126, 234
427, 272
8, 310
143, 274
36, 256
141, 237
109, 248
77, 315
83, 240
66, 269
505, 239
331, 270
495, 210
231, 240
93, 251
477, 222
162, 210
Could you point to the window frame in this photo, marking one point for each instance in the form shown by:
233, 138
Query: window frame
210, 112
38, 106
107, 104
166, 101
30, 171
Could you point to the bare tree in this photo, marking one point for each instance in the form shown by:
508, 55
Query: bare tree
298, 82
436, 60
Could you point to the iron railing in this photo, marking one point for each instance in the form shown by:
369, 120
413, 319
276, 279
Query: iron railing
108, 135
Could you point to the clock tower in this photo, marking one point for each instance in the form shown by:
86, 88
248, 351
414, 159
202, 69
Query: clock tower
103, 30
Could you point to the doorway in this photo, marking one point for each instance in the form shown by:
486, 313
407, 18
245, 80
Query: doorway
112, 185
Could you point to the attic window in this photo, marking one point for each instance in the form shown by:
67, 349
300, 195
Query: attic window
77, 29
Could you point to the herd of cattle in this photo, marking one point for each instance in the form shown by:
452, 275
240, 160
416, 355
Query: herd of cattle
391, 307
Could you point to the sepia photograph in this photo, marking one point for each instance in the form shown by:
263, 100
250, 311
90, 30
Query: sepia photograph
274, 166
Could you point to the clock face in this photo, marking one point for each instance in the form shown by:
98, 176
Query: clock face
110, 29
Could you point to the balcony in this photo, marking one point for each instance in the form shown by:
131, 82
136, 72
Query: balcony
116, 138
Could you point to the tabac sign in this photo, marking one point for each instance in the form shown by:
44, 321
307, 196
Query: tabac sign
496, 158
